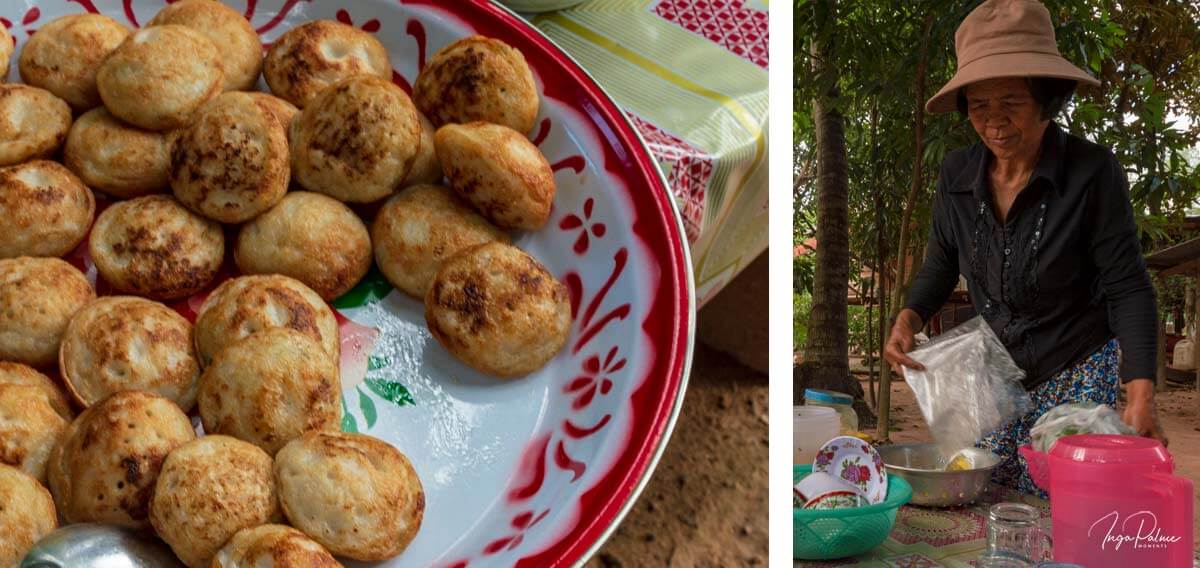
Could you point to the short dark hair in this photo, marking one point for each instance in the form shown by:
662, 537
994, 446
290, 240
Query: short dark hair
1051, 93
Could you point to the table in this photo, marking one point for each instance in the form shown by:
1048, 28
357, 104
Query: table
929, 538
692, 77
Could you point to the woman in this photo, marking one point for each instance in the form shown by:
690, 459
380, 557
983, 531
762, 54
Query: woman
1039, 223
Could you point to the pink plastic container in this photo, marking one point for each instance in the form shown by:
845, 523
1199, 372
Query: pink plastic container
1114, 501
1038, 465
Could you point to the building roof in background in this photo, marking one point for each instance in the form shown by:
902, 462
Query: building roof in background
1179, 256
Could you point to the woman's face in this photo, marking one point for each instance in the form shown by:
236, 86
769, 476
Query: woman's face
1006, 117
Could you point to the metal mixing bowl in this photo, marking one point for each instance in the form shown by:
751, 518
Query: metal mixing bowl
921, 465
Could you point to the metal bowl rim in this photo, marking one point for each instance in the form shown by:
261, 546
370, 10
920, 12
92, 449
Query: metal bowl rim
887, 449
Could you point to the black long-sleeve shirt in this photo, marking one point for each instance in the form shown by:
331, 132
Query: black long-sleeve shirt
1062, 275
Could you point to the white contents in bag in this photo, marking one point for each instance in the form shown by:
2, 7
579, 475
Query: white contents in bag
970, 385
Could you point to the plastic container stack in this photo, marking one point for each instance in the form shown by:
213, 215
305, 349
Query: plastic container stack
840, 402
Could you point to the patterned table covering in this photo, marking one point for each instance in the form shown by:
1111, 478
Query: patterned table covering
931, 538
692, 76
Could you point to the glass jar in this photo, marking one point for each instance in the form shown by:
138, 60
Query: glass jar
1014, 532
839, 402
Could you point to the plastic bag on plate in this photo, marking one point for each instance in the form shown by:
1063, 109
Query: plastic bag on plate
1076, 418
970, 385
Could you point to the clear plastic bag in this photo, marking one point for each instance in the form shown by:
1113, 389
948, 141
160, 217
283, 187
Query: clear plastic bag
1076, 418
970, 385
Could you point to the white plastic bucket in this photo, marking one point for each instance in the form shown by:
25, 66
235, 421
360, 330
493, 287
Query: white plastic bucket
812, 426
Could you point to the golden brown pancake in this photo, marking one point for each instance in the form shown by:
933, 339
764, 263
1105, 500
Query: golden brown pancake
355, 494
314, 55
237, 43
478, 79
499, 310
419, 228
159, 76
269, 388
310, 237
104, 469
121, 343
154, 247
207, 491
33, 123
499, 171
64, 56
231, 163
38, 298
356, 141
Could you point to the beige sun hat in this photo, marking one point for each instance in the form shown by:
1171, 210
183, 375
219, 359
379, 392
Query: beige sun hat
1005, 38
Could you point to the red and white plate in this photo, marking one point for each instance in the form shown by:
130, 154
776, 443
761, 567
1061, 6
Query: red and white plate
536, 471
855, 462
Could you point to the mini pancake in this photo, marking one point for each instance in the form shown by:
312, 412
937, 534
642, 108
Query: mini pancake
121, 343
498, 171
498, 310
419, 228
18, 374
478, 79
208, 490
235, 39
38, 298
246, 304
29, 428
105, 466
33, 123
355, 494
356, 141
314, 55
426, 168
159, 76
154, 247
231, 163
65, 54
120, 160
27, 513
269, 388
46, 209
6, 49
310, 237
278, 546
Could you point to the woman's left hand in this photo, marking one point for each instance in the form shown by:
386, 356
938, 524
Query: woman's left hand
1140, 411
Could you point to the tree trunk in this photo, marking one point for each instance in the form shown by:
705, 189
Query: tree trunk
902, 276
826, 353
877, 270
885, 371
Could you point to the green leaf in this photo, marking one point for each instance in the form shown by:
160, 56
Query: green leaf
368, 408
372, 288
391, 391
349, 424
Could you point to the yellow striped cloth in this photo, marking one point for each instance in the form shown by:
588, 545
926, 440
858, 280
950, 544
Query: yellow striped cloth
692, 76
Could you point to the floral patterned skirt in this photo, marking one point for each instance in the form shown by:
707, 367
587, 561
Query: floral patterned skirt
1093, 379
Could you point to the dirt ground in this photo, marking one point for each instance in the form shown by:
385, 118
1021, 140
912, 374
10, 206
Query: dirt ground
1178, 411
707, 502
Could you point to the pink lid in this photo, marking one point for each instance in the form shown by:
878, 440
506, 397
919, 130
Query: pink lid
1110, 448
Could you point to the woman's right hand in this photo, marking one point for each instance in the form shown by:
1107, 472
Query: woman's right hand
901, 341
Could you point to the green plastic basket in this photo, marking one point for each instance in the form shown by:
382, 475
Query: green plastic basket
839, 533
